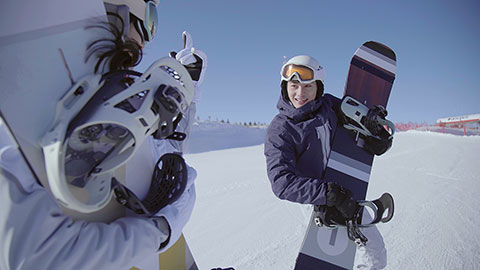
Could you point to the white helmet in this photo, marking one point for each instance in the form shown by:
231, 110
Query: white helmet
303, 68
144, 11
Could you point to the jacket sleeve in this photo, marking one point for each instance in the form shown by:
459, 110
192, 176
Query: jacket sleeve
34, 234
281, 163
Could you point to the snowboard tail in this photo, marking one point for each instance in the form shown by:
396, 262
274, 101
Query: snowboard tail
370, 79
178, 256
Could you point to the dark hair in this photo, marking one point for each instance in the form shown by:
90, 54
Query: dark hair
119, 52
320, 89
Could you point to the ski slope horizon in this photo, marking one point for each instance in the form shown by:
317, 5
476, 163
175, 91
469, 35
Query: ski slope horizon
237, 220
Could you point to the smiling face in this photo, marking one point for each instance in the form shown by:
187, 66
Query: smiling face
301, 93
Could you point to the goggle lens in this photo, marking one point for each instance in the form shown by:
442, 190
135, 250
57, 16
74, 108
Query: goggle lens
305, 73
151, 21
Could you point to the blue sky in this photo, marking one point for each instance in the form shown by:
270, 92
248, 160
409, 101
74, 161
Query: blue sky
437, 43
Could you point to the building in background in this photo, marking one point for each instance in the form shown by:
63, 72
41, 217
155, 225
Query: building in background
466, 122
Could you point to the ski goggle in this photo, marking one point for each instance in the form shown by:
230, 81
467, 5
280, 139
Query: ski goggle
149, 24
304, 73
145, 12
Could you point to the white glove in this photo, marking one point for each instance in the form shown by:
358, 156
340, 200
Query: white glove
178, 213
194, 60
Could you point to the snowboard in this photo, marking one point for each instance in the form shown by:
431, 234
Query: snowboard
369, 81
178, 256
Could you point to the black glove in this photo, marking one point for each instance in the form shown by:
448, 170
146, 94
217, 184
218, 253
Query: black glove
328, 216
380, 144
371, 122
341, 198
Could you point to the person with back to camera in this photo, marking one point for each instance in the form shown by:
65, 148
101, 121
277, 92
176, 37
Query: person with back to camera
54, 217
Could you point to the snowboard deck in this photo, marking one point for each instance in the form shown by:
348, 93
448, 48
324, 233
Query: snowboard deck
178, 256
370, 79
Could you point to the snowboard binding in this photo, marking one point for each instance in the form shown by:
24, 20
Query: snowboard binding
382, 208
168, 183
369, 124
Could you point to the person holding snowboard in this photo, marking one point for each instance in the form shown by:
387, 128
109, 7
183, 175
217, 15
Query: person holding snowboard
297, 148
62, 215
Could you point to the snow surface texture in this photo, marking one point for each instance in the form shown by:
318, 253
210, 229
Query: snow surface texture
237, 221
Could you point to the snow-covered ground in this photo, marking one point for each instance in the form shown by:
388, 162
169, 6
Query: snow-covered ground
209, 136
237, 221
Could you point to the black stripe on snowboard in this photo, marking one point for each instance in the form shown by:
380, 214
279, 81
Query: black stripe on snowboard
381, 49
305, 262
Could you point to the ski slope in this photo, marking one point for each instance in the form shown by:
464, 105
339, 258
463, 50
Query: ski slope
237, 221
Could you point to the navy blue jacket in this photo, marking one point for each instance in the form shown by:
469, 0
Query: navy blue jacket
297, 146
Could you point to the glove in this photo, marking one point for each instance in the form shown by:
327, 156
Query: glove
194, 60
341, 198
371, 122
328, 215
178, 213
380, 144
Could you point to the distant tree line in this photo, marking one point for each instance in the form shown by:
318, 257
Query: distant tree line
248, 124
